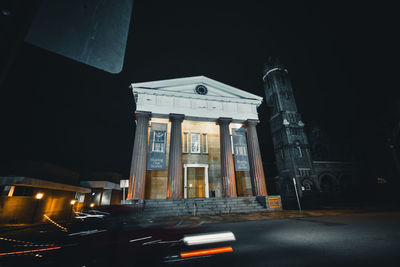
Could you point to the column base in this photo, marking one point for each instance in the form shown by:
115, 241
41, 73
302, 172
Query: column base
136, 202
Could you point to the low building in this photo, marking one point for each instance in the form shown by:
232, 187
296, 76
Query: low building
28, 200
103, 193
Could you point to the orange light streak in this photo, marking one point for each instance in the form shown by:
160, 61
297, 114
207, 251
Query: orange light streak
28, 251
203, 252
27, 244
56, 224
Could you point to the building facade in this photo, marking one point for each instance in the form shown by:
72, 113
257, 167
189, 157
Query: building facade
195, 138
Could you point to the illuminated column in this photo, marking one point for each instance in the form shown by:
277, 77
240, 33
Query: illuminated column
175, 187
227, 168
137, 178
256, 166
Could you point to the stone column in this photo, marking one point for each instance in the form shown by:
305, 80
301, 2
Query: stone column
227, 168
137, 178
175, 187
256, 166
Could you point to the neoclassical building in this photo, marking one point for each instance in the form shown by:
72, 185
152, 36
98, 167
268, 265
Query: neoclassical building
195, 138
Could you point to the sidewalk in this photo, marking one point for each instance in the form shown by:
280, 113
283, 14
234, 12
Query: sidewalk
268, 215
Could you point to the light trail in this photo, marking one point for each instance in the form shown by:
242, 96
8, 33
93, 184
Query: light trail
203, 252
26, 243
56, 224
28, 251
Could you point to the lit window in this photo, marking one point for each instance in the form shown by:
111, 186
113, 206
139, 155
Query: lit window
195, 143
205, 143
233, 152
80, 197
185, 142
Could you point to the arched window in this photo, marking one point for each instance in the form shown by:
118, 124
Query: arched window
326, 184
307, 184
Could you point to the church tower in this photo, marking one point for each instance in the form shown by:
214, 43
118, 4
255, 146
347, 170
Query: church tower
291, 147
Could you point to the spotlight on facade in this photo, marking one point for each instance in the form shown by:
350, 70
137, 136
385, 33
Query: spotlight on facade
39, 195
91, 205
73, 202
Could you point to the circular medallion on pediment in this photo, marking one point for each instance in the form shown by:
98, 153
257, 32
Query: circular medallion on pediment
201, 90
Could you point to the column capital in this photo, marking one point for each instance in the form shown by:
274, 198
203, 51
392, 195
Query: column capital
251, 122
223, 120
146, 114
176, 117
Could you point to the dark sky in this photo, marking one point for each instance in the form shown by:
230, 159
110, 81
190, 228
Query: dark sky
341, 58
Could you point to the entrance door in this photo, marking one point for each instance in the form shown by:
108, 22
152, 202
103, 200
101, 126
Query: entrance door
196, 181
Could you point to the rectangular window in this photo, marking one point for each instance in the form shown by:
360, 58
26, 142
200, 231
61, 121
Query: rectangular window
185, 142
233, 152
205, 143
80, 197
241, 151
158, 141
195, 143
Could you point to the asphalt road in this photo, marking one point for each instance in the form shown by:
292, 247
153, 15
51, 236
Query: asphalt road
369, 239
361, 239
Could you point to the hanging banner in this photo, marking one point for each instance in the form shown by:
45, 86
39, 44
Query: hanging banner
240, 149
157, 147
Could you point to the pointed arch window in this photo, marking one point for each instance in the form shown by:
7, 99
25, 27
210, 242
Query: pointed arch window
297, 149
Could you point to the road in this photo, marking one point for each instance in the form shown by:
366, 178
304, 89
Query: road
369, 239
360, 239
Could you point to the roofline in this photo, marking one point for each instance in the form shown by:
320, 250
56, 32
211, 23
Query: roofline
195, 79
33, 182
188, 95
101, 184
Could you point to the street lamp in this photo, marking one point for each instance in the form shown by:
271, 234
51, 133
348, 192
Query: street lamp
38, 197
72, 207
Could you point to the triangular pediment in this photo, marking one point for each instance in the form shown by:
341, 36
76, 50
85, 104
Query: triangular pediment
187, 86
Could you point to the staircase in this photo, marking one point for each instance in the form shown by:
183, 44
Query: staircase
200, 206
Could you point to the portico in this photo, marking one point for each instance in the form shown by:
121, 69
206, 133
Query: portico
195, 137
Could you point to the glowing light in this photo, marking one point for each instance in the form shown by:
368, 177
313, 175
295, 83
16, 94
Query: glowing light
28, 251
73, 202
56, 224
203, 252
91, 205
208, 238
26, 243
39, 195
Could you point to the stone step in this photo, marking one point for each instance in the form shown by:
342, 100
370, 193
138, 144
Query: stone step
200, 206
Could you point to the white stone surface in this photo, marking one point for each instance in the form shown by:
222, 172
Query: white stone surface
179, 96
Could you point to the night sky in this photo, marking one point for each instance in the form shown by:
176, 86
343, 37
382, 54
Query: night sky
340, 56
